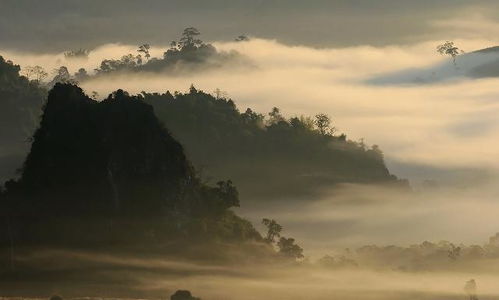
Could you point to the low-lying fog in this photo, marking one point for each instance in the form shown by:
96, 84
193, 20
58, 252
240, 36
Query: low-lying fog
354, 216
155, 278
422, 129
447, 125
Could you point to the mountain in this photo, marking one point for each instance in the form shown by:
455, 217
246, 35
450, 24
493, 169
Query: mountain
269, 157
483, 63
108, 172
20, 106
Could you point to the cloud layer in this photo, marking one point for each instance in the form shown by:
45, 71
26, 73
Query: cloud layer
444, 126
72, 23
447, 125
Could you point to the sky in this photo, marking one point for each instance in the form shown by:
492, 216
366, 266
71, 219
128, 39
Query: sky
310, 57
57, 25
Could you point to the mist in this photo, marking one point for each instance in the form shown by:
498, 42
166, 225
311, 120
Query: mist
415, 125
154, 278
405, 120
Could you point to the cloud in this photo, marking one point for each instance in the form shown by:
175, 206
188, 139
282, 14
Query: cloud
356, 215
119, 275
73, 24
414, 124
447, 128
418, 124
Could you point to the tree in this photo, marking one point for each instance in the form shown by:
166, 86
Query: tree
189, 39
192, 89
242, 38
94, 95
36, 73
454, 252
183, 295
144, 49
273, 230
138, 59
126, 63
81, 75
362, 144
275, 115
251, 117
323, 123
228, 194
448, 48
61, 75
470, 289
219, 94
288, 248
80, 54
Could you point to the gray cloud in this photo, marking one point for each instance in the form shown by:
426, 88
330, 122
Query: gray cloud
58, 25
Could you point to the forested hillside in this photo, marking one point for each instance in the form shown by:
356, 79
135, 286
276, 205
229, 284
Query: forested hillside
104, 173
188, 54
20, 104
267, 156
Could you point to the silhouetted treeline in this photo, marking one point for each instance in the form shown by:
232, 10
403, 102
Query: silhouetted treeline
266, 155
107, 172
188, 53
21, 100
425, 256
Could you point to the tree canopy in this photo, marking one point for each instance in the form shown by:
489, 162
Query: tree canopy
21, 99
187, 53
92, 163
267, 157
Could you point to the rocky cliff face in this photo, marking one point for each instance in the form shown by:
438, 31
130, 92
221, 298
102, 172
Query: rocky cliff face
101, 170
103, 157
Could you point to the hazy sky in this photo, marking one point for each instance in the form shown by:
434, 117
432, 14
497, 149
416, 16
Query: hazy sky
56, 25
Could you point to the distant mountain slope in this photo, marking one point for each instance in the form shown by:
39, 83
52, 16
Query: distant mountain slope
268, 158
188, 54
477, 64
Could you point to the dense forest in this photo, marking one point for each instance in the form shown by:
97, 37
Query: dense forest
267, 156
299, 155
108, 172
107, 175
187, 54
426, 256
113, 167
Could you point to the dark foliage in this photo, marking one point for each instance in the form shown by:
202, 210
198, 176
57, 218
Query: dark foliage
288, 248
20, 105
187, 54
266, 157
426, 256
183, 295
103, 172
77, 54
